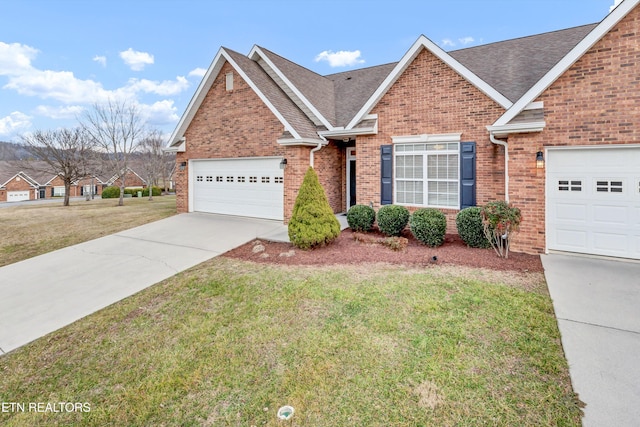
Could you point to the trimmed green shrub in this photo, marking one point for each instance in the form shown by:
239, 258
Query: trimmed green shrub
470, 228
392, 219
313, 222
157, 191
111, 193
361, 217
500, 220
428, 226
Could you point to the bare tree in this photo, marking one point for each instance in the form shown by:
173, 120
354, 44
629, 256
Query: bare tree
63, 152
116, 129
154, 159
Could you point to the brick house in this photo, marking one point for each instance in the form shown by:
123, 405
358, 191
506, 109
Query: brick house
548, 122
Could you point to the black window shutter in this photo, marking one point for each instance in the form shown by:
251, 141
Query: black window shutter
467, 174
386, 174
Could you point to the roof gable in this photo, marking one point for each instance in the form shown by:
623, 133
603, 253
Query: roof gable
597, 33
293, 120
418, 46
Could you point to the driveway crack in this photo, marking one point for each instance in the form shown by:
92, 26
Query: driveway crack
600, 326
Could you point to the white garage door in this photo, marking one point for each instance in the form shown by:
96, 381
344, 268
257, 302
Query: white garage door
246, 187
593, 201
17, 196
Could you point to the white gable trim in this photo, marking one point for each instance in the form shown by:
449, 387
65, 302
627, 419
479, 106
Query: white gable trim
257, 52
207, 81
425, 43
565, 63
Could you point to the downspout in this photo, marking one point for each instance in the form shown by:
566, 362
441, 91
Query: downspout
493, 139
320, 145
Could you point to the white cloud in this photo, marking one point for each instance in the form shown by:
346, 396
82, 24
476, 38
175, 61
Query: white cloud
614, 5
14, 123
165, 88
466, 40
136, 60
102, 60
198, 72
342, 58
159, 113
15, 58
61, 112
448, 42
59, 85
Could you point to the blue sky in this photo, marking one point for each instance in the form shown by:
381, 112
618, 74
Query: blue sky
59, 57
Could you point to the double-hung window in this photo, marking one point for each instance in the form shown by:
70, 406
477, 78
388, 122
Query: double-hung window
427, 171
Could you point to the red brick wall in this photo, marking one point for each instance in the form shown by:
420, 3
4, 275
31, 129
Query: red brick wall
431, 98
238, 124
596, 102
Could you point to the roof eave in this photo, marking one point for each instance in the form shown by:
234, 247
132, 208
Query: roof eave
310, 142
505, 130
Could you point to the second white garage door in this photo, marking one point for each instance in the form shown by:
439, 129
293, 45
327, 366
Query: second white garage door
593, 201
251, 187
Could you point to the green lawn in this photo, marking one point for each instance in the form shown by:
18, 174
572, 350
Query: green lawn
38, 228
228, 342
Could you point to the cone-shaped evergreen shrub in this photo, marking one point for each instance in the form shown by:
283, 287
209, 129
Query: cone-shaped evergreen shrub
312, 222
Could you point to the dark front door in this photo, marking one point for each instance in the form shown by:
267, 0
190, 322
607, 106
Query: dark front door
352, 182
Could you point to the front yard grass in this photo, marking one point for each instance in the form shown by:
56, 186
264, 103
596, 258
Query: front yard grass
229, 342
35, 229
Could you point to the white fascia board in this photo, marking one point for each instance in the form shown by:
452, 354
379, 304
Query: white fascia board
424, 138
424, 43
340, 132
261, 95
257, 52
302, 141
571, 58
198, 97
517, 128
539, 105
180, 146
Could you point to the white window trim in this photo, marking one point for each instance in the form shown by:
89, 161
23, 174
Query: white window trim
428, 139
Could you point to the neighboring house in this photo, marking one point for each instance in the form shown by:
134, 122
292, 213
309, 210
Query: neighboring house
131, 180
19, 187
431, 131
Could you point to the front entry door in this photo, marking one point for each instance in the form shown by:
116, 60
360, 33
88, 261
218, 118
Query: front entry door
351, 177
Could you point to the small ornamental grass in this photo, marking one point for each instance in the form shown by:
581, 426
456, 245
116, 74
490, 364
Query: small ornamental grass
428, 226
361, 218
470, 228
313, 222
392, 219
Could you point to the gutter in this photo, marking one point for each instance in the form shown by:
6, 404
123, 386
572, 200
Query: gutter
313, 150
493, 139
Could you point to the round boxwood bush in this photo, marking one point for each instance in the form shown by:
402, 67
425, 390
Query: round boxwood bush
392, 219
470, 228
111, 193
361, 217
428, 226
156, 191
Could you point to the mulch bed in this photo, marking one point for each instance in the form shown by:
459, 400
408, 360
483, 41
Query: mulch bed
347, 250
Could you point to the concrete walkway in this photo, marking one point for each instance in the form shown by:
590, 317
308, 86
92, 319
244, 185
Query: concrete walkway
597, 304
45, 293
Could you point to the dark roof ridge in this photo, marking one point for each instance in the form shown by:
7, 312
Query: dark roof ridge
330, 76
290, 61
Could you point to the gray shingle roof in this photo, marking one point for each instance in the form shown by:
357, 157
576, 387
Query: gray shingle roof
513, 66
285, 106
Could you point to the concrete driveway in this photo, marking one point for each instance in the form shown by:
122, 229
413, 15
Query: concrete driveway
597, 304
45, 293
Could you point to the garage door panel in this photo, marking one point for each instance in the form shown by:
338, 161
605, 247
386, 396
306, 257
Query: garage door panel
602, 215
17, 196
570, 211
245, 187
